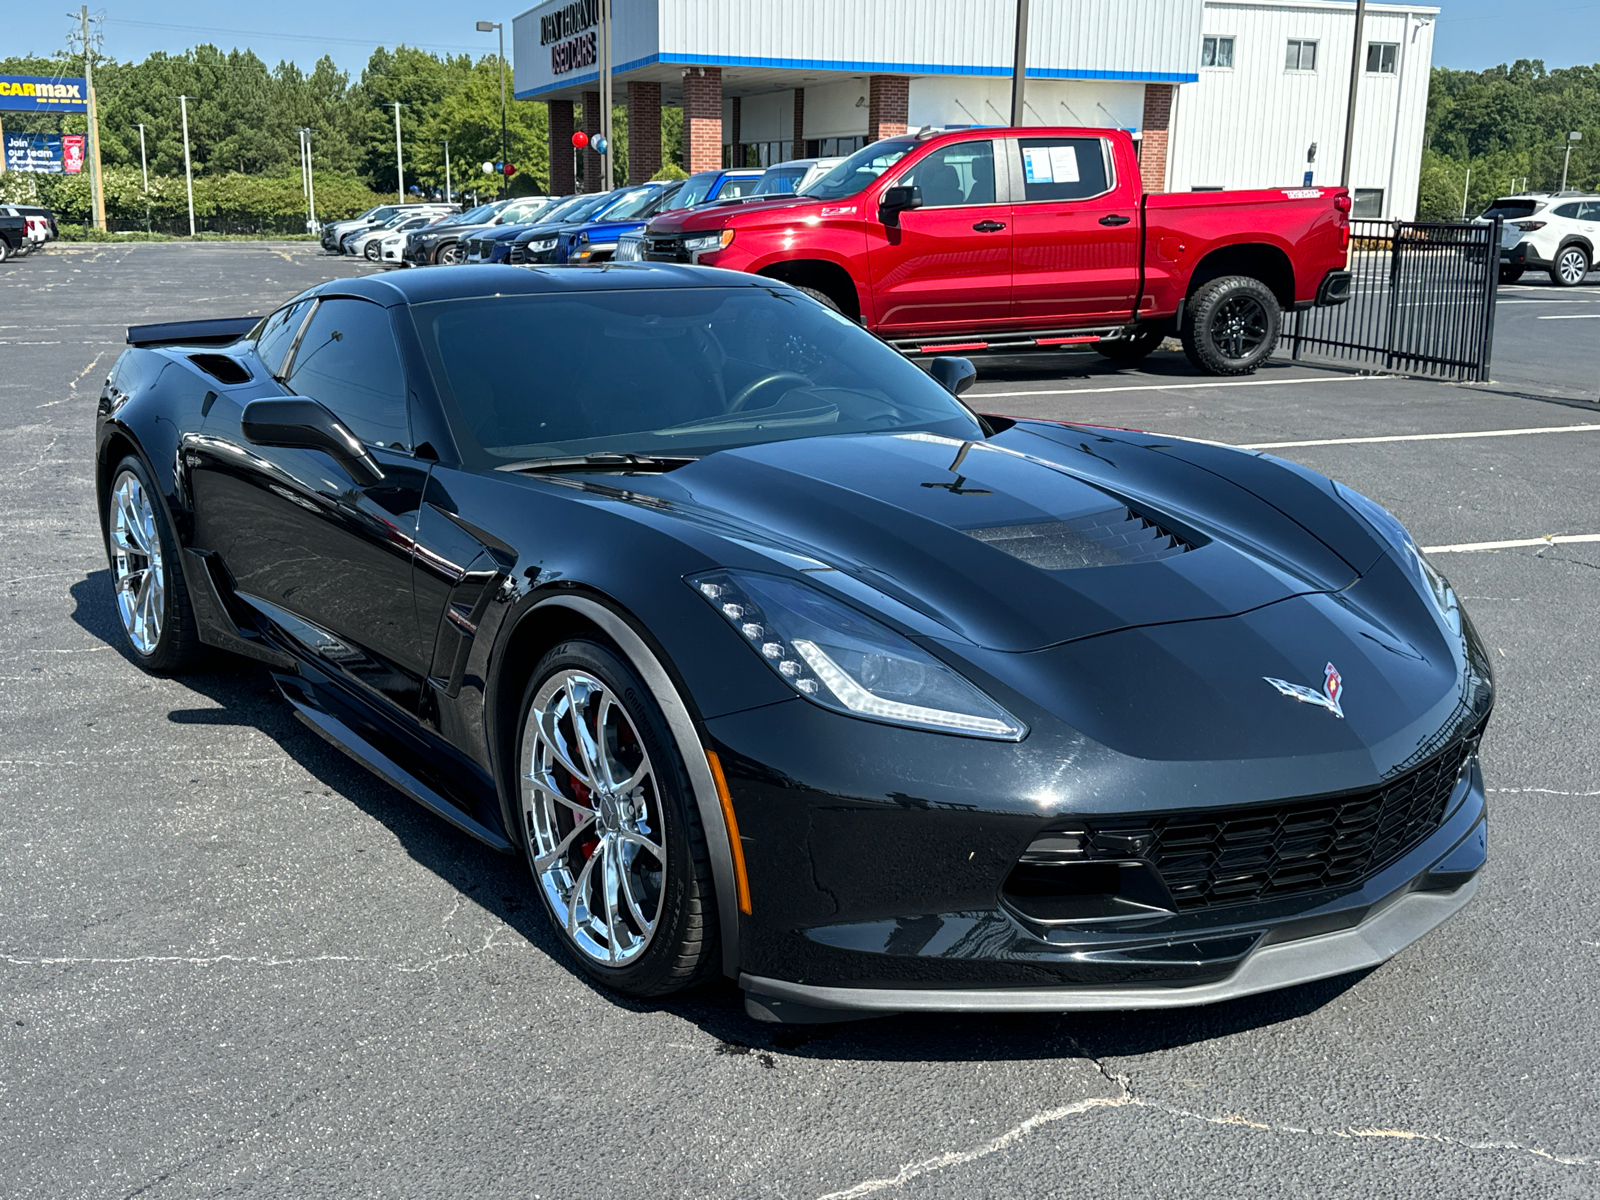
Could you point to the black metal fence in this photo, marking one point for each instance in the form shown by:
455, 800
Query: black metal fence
1422, 299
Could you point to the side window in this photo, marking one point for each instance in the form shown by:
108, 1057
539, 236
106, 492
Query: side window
1589, 212
1569, 211
278, 332
734, 188
1064, 168
349, 362
962, 173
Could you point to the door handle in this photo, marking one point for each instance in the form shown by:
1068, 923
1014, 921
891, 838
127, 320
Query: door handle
1114, 219
989, 226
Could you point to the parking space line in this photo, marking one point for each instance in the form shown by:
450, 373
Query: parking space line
1181, 387
1555, 539
1571, 317
1423, 437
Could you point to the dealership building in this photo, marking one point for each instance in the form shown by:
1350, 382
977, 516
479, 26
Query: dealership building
1218, 93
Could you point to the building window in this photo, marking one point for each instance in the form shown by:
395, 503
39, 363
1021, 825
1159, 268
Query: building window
1382, 56
1216, 52
1302, 55
1367, 202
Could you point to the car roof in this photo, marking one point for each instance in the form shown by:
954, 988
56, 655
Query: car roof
426, 284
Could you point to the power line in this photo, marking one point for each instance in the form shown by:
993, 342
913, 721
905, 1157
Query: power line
289, 37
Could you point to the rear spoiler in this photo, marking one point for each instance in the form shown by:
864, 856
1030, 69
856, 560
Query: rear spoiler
216, 332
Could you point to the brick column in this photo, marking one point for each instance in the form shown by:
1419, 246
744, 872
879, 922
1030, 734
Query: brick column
735, 159
887, 99
702, 119
1153, 146
562, 175
592, 162
644, 130
798, 150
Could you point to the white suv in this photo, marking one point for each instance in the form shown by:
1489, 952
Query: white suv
1556, 233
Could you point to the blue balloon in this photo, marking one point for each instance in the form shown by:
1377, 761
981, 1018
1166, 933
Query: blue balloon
598, 145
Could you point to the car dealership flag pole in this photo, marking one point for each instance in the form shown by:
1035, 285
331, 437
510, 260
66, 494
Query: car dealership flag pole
188, 173
1019, 63
399, 159
1350, 107
447, 171
607, 168
144, 166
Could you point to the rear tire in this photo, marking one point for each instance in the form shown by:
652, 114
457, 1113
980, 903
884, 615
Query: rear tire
605, 855
371, 251
1570, 266
1230, 326
5, 249
1510, 274
451, 255
149, 590
1134, 347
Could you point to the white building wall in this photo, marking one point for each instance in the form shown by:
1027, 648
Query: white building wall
969, 100
1250, 126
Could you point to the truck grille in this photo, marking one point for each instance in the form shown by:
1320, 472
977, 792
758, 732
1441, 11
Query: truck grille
664, 249
1234, 856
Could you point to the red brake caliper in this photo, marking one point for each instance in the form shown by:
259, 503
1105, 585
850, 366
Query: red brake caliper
582, 794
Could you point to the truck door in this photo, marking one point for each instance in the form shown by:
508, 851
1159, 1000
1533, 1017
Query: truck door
946, 265
1075, 233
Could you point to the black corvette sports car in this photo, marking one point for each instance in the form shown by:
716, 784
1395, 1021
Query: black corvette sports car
777, 661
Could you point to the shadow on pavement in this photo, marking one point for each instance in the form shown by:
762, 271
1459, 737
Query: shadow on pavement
244, 695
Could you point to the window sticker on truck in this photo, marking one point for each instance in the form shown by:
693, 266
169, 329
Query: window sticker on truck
1050, 164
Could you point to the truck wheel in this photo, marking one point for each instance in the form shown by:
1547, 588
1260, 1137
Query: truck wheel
1571, 265
1230, 325
1134, 346
5, 249
821, 298
1510, 274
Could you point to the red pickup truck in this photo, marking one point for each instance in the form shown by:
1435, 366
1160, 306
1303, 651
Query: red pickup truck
997, 239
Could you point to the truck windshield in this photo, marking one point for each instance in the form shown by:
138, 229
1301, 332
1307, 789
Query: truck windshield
667, 372
860, 169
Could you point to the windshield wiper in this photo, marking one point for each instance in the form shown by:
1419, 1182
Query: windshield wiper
601, 460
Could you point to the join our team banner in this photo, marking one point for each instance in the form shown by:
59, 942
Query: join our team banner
45, 153
39, 93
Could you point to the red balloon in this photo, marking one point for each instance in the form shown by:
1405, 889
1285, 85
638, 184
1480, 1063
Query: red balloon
580, 139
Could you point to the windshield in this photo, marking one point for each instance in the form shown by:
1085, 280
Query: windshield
695, 189
473, 216
576, 209
631, 203
778, 181
679, 371
860, 169
1511, 210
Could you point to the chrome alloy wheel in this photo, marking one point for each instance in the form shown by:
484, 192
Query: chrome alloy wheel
1239, 326
136, 562
1572, 266
591, 808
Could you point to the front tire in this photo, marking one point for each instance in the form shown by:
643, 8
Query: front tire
1134, 347
821, 298
371, 251
1510, 274
149, 590
452, 255
1570, 266
609, 824
1230, 326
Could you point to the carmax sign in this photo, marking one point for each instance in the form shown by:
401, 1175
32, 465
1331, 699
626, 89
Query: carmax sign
36, 93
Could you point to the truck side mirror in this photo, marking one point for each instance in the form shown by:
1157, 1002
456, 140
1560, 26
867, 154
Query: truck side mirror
954, 375
897, 200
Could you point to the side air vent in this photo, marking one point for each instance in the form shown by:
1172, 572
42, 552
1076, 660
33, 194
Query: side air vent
221, 368
1103, 539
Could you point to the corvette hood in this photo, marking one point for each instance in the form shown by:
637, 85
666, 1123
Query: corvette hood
1001, 541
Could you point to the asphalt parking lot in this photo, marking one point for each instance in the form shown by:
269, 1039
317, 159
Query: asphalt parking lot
232, 962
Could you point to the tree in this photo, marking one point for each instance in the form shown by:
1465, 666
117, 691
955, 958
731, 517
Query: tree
469, 118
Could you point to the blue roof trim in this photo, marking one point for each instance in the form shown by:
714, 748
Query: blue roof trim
876, 68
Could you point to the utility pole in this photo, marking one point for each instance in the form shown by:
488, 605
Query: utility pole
1350, 110
311, 181
1465, 188
1019, 63
607, 168
399, 159
1567, 160
505, 152
188, 173
447, 170
95, 190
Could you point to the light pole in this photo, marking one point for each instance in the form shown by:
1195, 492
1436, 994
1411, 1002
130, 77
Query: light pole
399, 160
1574, 136
505, 156
447, 170
144, 168
1350, 108
188, 174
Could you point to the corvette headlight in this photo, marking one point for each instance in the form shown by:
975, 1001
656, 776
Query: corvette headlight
710, 241
1389, 528
842, 659
541, 245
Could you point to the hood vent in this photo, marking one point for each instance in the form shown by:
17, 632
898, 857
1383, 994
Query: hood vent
1102, 539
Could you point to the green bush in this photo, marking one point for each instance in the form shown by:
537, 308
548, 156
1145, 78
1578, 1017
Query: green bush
671, 171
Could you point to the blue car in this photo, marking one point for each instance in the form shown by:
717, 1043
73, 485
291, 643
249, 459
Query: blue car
547, 242
489, 244
621, 241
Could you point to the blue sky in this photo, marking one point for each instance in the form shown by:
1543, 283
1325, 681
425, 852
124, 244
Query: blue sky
1472, 33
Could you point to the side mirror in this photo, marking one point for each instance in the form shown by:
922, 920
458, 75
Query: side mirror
955, 375
897, 200
303, 424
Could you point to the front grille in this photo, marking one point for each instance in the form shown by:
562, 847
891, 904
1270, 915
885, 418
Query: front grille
1234, 856
627, 249
517, 256
664, 249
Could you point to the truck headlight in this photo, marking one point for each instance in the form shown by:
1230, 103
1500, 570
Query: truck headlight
540, 245
842, 659
710, 241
